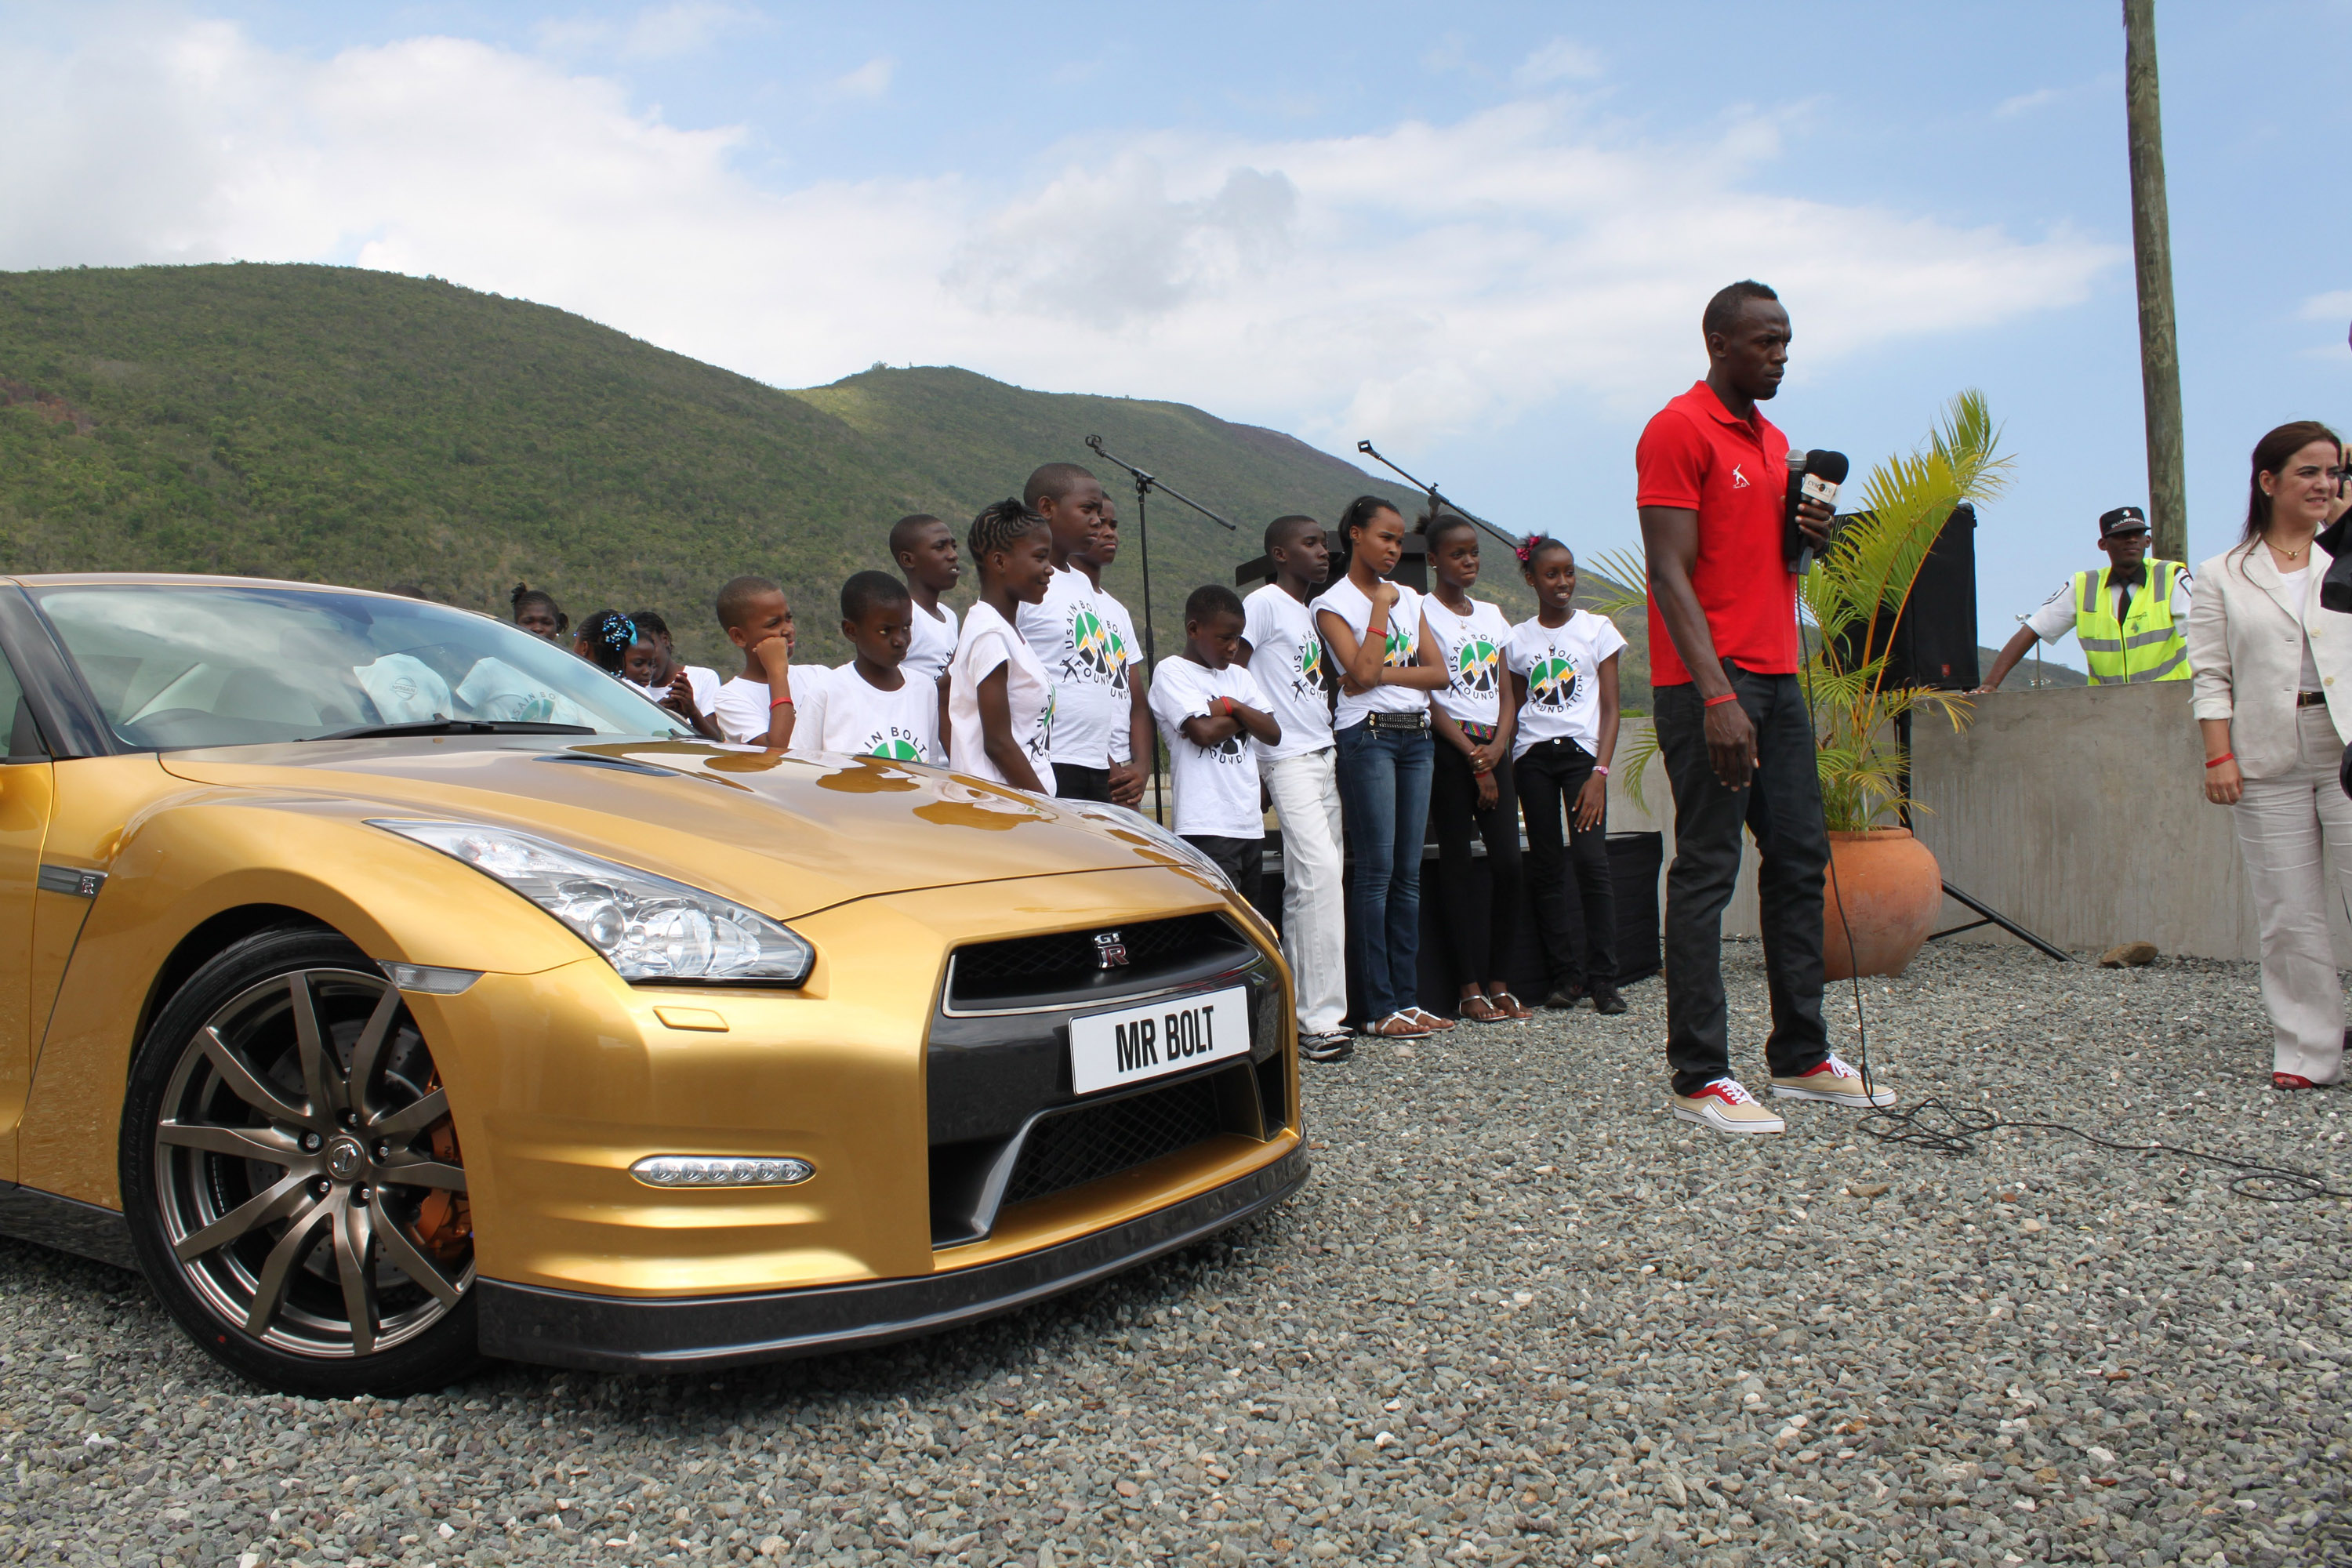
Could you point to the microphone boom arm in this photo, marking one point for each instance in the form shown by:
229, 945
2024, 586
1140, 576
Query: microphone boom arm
1146, 483
1436, 497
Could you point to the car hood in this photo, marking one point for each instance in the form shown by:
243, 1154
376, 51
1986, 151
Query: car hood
783, 835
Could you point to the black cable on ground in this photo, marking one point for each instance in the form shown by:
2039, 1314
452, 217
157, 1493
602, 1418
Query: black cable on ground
1952, 1130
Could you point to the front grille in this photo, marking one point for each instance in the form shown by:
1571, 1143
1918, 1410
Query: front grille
1067, 965
1092, 1141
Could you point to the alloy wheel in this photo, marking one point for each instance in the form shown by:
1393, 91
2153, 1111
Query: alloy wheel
307, 1173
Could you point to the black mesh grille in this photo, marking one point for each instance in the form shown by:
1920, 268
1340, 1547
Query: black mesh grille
1097, 1140
996, 972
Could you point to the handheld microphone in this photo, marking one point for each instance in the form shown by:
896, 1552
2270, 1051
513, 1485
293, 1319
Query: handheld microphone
1812, 476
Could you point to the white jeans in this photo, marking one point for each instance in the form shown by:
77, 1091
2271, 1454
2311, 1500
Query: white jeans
2294, 830
1305, 793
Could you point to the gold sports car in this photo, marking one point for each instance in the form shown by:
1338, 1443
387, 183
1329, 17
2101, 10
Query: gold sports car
393, 989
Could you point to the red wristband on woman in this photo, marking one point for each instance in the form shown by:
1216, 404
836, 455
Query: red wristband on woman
1718, 702
2224, 757
780, 703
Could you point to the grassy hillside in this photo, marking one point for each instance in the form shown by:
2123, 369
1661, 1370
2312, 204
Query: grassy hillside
335, 424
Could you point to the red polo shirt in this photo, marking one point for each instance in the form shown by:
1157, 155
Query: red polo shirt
1695, 455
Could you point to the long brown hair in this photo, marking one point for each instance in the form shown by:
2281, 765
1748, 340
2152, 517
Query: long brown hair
2271, 454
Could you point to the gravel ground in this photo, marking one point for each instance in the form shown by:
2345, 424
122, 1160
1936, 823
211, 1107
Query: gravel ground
1519, 1315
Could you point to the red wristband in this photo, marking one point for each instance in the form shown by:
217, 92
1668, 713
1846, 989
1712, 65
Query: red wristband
1718, 702
2224, 757
780, 703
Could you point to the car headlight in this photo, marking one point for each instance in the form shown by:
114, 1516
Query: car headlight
1134, 821
646, 927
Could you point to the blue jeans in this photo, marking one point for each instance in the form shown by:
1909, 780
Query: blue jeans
1384, 794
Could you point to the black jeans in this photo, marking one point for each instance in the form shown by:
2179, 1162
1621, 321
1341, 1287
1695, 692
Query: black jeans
1240, 859
1781, 805
1481, 922
1578, 924
1072, 782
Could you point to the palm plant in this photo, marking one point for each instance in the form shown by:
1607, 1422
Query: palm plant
1852, 603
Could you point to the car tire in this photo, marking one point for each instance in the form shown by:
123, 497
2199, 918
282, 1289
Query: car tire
308, 1224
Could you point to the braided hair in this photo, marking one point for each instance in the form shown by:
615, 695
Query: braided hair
999, 525
605, 639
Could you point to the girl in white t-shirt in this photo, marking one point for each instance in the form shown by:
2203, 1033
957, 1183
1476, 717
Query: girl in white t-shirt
1470, 788
1563, 674
1388, 666
1000, 698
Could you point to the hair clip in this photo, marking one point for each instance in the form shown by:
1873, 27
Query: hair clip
1526, 548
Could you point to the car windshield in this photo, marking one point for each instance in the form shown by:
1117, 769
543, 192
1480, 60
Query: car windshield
181, 665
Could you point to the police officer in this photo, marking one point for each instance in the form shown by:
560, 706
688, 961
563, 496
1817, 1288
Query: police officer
2128, 616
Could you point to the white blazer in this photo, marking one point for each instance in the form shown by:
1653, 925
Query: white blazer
2245, 646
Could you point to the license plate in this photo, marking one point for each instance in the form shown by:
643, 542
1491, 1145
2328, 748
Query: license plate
1132, 1044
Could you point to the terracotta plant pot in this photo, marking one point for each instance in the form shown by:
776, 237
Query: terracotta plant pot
1891, 888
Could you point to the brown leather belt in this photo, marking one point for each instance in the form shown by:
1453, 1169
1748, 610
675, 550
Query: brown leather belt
2311, 699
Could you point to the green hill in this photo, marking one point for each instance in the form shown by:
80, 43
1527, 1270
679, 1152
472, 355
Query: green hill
335, 424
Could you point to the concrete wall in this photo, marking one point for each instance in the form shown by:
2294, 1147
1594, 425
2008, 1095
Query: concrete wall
2080, 815
2077, 812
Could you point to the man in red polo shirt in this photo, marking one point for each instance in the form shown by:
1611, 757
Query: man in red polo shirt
1731, 721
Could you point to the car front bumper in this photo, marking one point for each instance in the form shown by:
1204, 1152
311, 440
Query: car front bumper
563, 1327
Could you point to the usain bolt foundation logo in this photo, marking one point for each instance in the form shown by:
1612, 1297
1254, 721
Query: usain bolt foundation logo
1477, 667
1310, 668
1098, 653
1551, 682
1400, 648
894, 743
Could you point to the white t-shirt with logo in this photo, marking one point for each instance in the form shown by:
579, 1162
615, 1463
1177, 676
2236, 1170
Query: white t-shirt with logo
850, 715
1561, 665
1216, 786
1353, 606
704, 683
1473, 645
988, 642
931, 645
741, 705
1287, 659
1086, 651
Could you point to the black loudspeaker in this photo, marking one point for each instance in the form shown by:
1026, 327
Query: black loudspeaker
1935, 645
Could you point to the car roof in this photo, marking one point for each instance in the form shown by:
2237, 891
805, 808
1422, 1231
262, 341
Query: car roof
177, 580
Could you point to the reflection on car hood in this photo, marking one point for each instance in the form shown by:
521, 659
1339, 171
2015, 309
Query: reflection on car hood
781, 834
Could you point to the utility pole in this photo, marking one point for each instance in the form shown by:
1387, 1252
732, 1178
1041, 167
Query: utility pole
2159, 349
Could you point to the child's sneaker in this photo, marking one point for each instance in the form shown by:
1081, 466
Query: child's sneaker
1835, 1081
1726, 1107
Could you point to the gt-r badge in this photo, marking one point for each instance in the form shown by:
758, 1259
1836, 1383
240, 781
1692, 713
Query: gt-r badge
1109, 951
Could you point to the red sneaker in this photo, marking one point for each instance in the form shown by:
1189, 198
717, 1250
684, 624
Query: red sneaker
2290, 1080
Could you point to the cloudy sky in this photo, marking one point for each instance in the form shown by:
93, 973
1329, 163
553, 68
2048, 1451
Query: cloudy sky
1478, 233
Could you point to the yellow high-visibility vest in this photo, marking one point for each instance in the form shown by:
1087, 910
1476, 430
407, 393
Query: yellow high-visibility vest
2146, 644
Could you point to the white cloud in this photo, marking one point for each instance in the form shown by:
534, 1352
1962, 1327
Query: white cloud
2333, 307
1562, 59
1405, 282
655, 33
871, 79
2025, 102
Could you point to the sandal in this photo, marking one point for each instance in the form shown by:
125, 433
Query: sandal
1429, 1020
2291, 1080
1397, 1026
1479, 1008
1513, 1009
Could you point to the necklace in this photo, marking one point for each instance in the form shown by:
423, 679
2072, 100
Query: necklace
2293, 554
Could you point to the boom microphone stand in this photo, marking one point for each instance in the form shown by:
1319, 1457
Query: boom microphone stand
1436, 498
1144, 485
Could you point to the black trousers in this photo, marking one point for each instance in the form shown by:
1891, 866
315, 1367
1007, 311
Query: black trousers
1576, 919
1481, 915
1781, 805
1243, 860
1072, 782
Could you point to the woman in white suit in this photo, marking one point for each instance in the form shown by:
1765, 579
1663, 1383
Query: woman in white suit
2274, 696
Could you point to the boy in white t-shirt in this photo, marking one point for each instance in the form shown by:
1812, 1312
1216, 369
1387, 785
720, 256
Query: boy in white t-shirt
1211, 710
1081, 645
871, 707
1563, 669
925, 550
756, 707
1000, 699
1284, 652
